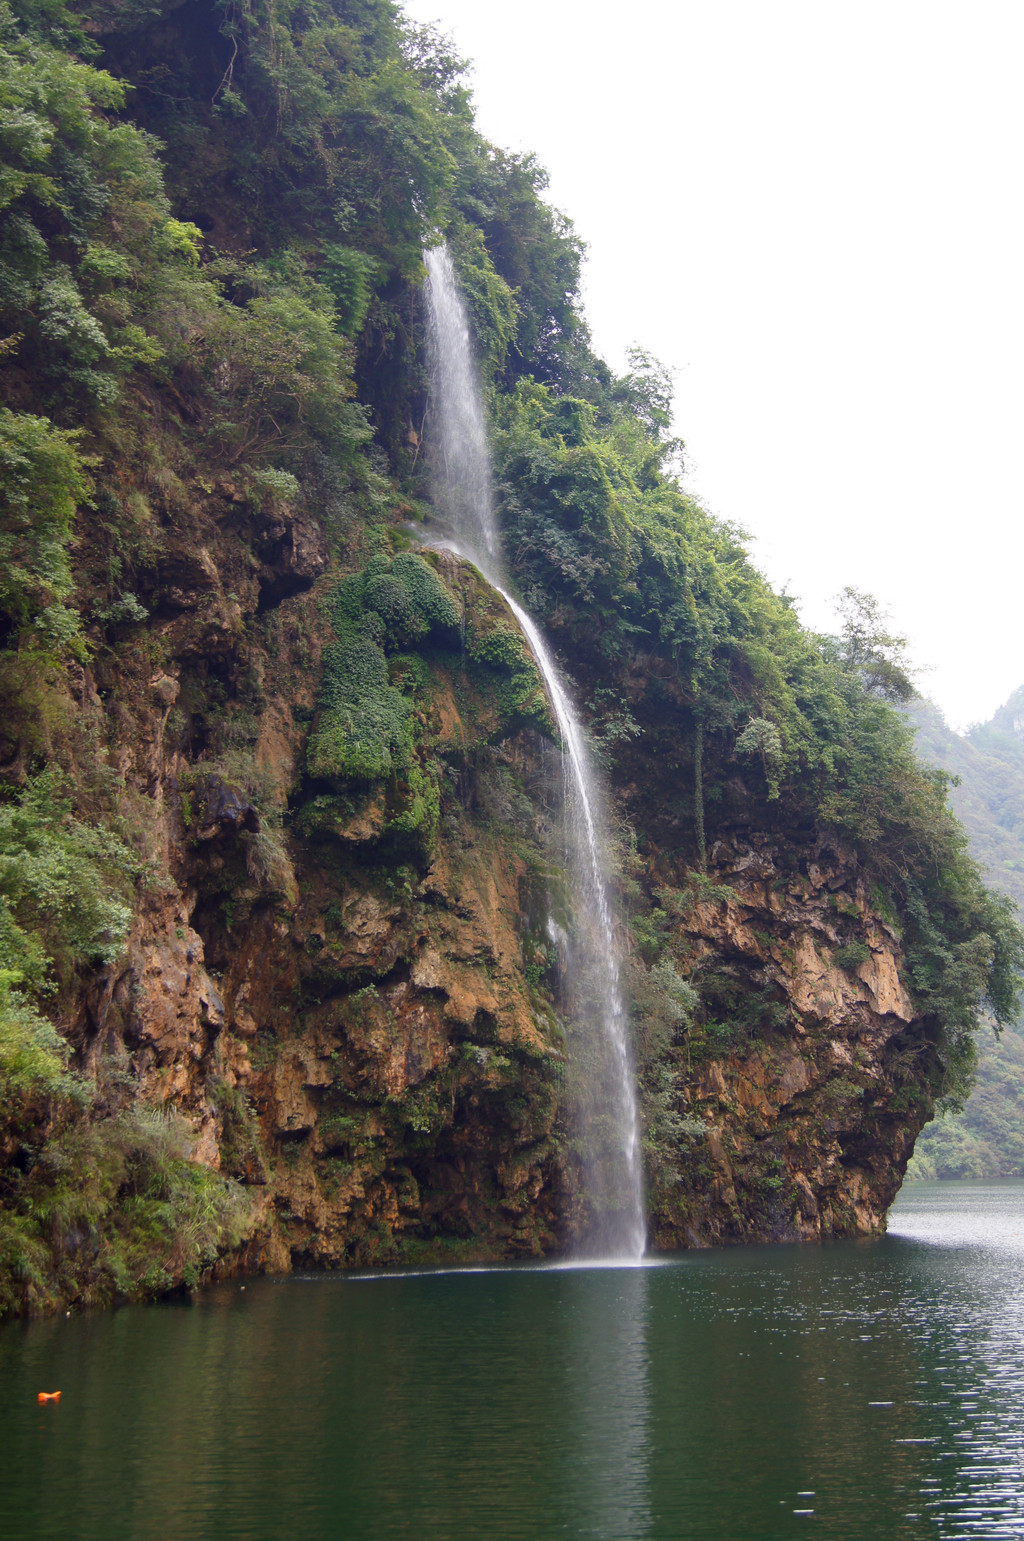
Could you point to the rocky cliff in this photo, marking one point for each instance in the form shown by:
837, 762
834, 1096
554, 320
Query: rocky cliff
368, 1034
811, 1067
283, 907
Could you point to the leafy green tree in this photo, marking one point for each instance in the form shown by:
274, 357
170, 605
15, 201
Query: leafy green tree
871, 650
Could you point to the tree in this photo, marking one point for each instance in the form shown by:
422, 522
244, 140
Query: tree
873, 652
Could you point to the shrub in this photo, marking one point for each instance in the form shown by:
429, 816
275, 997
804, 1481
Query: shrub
33, 1055
429, 596
851, 955
514, 676
115, 1209
366, 731
62, 883
365, 734
42, 481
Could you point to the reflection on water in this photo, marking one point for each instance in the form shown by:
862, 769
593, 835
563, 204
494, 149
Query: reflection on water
605, 1474
870, 1390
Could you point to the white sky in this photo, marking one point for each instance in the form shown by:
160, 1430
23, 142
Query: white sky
810, 209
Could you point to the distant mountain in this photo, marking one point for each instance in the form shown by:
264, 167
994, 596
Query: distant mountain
987, 1139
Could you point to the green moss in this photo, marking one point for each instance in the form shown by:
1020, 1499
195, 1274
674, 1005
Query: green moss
397, 603
502, 648
505, 669
367, 732
418, 806
431, 600
410, 673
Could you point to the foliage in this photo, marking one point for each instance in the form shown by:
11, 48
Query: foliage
762, 738
871, 651
369, 730
663, 1005
538, 255
490, 300
647, 578
277, 369
62, 885
42, 481
33, 1055
63, 906
987, 1138
851, 955
114, 1209
90, 256
513, 676
366, 730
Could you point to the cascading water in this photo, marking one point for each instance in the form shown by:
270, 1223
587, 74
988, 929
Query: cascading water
457, 417
613, 1169
607, 1088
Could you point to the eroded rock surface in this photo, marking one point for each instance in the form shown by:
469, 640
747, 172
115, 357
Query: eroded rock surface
811, 1092
364, 1026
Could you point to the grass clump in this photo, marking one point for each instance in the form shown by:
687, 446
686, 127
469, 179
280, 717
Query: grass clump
851, 955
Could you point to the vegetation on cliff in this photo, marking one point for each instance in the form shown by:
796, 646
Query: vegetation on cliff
241, 715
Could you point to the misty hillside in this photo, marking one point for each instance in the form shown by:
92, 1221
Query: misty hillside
987, 1139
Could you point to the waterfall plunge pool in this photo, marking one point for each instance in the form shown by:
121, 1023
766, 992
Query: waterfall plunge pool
868, 1389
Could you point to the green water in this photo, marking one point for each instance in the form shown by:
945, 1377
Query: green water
867, 1390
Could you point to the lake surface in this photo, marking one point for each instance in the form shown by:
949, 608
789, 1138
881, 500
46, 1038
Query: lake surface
867, 1390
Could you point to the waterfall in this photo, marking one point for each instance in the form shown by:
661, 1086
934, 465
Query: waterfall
464, 494
462, 459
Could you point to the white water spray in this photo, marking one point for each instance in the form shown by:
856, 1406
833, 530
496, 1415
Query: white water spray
462, 460
465, 496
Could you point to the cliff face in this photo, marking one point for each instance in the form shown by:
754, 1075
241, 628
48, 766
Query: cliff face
283, 975
345, 1019
812, 1081
369, 1033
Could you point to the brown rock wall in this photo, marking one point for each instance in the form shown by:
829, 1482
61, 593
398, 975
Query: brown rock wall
811, 1113
369, 1038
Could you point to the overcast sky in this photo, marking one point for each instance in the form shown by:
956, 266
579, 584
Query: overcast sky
811, 211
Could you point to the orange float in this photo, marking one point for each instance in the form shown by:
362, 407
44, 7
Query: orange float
49, 1396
